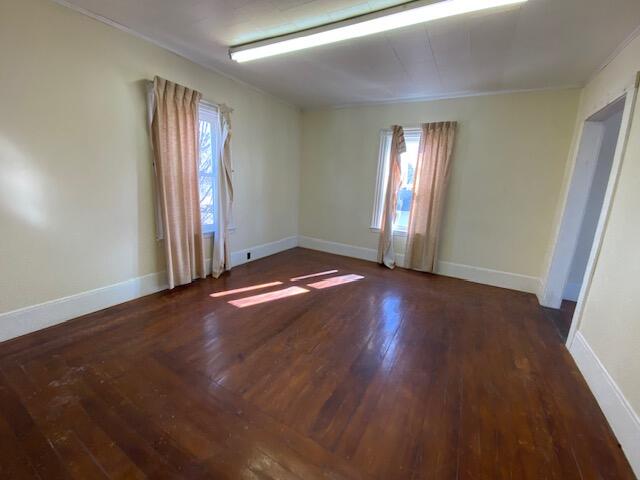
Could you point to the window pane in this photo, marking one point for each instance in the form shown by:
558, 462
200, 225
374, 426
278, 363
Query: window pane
405, 194
206, 154
206, 177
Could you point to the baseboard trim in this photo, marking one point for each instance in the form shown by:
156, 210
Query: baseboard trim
260, 251
36, 317
624, 421
30, 319
486, 276
338, 248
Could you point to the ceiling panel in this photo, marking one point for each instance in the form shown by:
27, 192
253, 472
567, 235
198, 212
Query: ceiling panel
413, 50
451, 45
491, 42
541, 44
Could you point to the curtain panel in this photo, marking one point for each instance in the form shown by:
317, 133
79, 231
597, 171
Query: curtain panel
386, 253
220, 260
433, 169
174, 126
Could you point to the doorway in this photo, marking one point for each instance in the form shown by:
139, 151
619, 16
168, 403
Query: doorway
587, 204
608, 125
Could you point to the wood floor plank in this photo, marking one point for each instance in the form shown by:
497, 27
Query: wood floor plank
62, 408
277, 440
29, 437
14, 462
396, 375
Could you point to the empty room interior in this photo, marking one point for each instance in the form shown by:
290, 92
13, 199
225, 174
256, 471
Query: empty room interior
320, 239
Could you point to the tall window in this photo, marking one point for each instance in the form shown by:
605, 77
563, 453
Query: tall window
209, 126
408, 168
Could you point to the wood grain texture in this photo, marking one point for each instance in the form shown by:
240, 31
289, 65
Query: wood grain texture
397, 375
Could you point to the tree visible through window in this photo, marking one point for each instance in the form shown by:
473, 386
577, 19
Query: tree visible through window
408, 167
405, 194
206, 168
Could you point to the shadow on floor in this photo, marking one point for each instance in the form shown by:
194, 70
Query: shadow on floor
561, 318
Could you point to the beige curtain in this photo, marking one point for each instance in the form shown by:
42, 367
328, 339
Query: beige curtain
386, 254
432, 173
220, 260
174, 136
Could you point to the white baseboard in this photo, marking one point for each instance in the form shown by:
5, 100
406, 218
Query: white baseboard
487, 276
36, 317
624, 421
572, 291
261, 251
32, 318
496, 278
548, 298
338, 248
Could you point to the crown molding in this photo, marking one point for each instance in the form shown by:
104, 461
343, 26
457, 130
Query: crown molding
618, 50
397, 100
164, 46
446, 96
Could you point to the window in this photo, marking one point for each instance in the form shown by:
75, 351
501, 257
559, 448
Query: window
408, 168
209, 126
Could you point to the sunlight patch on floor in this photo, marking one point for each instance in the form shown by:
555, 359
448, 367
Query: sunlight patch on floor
332, 282
244, 289
268, 297
304, 277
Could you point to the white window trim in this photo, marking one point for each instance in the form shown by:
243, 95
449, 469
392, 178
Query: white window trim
231, 229
396, 232
209, 113
381, 179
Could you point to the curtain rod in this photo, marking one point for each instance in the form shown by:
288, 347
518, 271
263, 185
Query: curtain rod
418, 126
404, 127
222, 106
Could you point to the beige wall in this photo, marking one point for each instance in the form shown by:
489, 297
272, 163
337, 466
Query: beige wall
610, 322
508, 165
76, 209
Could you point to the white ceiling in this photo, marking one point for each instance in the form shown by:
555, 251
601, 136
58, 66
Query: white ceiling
541, 44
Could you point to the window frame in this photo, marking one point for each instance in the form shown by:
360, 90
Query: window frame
384, 154
210, 114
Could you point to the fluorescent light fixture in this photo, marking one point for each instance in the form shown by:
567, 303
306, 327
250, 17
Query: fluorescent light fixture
345, 30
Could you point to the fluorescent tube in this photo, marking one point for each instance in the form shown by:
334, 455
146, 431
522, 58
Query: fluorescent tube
303, 40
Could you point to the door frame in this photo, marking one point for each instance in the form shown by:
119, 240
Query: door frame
569, 228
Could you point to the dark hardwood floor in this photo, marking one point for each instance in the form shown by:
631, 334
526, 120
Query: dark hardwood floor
396, 375
562, 317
